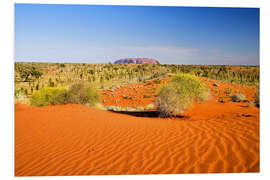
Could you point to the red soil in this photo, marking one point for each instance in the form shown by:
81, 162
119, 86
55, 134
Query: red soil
134, 95
142, 94
79, 140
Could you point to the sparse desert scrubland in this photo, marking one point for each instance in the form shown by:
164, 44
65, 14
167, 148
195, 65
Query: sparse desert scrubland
218, 130
31, 77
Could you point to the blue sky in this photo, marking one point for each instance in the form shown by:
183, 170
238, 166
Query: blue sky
172, 35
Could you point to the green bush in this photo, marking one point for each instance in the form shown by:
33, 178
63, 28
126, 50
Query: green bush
238, 97
49, 96
179, 94
81, 94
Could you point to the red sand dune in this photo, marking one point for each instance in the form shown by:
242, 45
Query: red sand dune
79, 140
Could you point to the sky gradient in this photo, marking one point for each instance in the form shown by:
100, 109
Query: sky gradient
101, 34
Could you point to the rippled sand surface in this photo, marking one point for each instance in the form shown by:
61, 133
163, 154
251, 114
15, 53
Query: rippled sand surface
78, 140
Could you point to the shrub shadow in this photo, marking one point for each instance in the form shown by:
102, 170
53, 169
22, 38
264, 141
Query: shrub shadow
153, 114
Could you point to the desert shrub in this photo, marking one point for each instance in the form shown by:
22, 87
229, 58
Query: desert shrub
28, 70
125, 96
49, 96
257, 98
50, 83
146, 96
99, 106
109, 108
150, 106
157, 81
179, 94
131, 97
130, 109
26, 92
117, 108
228, 91
113, 108
216, 84
139, 108
80, 94
18, 92
20, 96
37, 87
61, 65
238, 97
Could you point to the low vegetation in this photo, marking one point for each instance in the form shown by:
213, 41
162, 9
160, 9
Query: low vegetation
41, 84
238, 97
179, 94
257, 98
81, 94
76, 94
20, 96
49, 96
34, 76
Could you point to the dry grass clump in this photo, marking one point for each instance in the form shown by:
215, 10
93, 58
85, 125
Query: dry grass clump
238, 97
80, 94
179, 94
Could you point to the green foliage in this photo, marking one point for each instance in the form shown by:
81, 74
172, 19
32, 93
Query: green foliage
179, 94
80, 94
238, 97
49, 96
27, 70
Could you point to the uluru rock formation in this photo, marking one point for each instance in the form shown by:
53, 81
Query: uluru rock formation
137, 61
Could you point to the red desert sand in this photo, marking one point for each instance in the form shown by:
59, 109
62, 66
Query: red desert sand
64, 140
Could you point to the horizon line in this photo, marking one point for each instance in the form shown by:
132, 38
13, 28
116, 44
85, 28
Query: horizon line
52, 61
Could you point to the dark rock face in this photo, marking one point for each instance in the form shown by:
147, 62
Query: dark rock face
137, 61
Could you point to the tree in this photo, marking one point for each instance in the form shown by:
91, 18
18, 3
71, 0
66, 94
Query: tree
27, 70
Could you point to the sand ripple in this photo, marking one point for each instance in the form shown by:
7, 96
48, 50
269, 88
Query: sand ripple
78, 140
